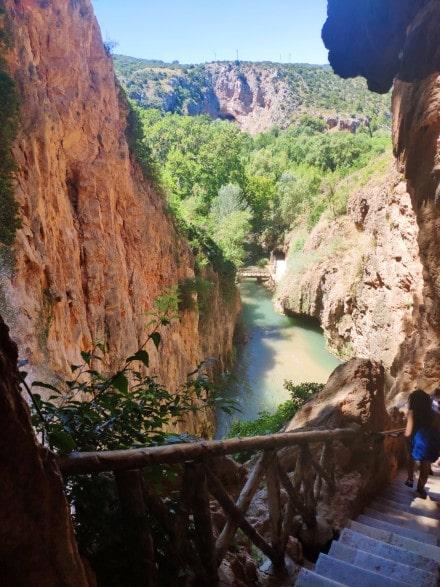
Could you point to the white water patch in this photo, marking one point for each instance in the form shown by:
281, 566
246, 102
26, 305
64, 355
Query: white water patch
280, 269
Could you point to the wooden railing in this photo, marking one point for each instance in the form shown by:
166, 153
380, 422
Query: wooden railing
313, 473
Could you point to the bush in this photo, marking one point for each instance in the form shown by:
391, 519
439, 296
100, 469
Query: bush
96, 411
268, 423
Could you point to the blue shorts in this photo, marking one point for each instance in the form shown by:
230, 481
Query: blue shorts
426, 445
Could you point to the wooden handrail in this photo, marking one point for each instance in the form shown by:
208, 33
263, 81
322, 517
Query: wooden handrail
78, 463
123, 460
193, 538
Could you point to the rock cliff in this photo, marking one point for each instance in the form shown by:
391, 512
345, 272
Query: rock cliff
37, 544
360, 274
257, 96
382, 40
96, 244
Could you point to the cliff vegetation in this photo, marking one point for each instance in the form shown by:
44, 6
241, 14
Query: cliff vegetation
256, 95
244, 192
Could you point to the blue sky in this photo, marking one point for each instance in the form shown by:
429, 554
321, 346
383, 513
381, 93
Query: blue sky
194, 31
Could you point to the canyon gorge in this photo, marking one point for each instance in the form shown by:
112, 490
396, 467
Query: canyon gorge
96, 245
90, 240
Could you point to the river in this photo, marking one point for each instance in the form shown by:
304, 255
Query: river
278, 348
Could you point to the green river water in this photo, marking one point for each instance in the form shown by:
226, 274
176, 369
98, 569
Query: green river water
277, 348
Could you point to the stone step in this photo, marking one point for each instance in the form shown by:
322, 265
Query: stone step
378, 520
351, 575
389, 568
427, 550
307, 578
410, 498
403, 491
410, 508
387, 550
433, 484
406, 520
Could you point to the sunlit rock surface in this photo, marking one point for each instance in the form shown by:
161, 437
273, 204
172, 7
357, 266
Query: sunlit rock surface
382, 40
97, 245
360, 274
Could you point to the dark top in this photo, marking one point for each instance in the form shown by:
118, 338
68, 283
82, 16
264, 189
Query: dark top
421, 405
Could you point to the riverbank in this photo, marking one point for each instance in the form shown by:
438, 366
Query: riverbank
278, 348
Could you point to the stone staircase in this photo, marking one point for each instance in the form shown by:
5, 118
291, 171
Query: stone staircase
394, 542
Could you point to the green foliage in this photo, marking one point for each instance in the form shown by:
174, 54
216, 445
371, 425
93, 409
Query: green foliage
268, 423
237, 191
9, 221
197, 155
138, 147
95, 410
183, 89
231, 222
230, 235
229, 200
195, 293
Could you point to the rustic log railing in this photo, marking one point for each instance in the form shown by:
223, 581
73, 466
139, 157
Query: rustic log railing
313, 473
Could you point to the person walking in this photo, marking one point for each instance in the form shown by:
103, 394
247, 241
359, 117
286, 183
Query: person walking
423, 438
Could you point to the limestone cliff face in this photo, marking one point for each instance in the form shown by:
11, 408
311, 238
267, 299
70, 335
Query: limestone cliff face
406, 46
37, 545
255, 95
97, 245
256, 98
362, 276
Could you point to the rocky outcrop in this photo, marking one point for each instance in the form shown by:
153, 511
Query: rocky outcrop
256, 98
354, 396
37, 544
405, 39
360, 275
255, 95
97, 245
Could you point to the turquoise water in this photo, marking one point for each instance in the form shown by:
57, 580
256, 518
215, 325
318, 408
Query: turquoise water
277, 348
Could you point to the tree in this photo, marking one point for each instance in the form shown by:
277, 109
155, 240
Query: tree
229, 200
230, 235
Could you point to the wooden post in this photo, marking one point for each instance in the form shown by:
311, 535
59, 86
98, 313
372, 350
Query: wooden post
308, 478
131, 496
274, 506
295, 505
297, 474
330, 460
234, 513
318, 480
180, 547
243, 503
197, 491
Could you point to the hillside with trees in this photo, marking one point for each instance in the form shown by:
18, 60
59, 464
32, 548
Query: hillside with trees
256, 95
244, 192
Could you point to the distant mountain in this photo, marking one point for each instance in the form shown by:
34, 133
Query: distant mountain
256, 95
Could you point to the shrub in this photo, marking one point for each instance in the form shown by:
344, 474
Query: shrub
129, 408
268, 423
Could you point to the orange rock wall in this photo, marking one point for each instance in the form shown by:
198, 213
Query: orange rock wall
97, 245
398, 39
